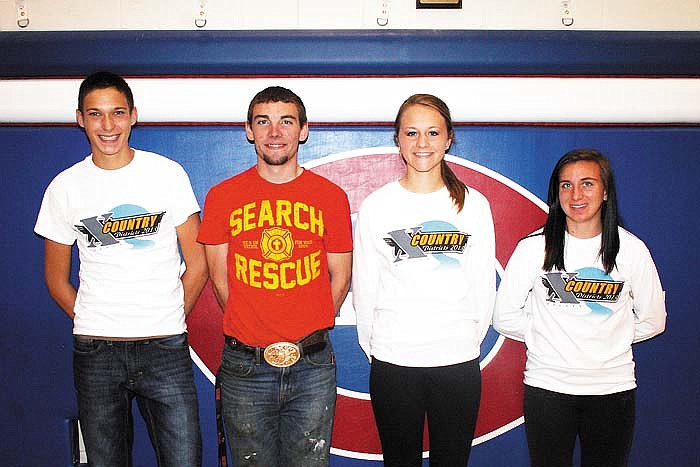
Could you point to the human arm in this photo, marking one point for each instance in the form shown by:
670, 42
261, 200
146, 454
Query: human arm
195, 275
340, 271
510, 315
365, 282
214, 234
649, 305
216, 260
57, 263
483, 259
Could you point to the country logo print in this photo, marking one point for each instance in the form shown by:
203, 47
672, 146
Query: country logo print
418, 242
124, 222
569, 288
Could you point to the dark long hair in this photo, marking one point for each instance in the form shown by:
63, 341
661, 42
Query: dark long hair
454, 185
555, 227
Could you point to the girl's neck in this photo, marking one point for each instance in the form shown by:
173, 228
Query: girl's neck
417, 182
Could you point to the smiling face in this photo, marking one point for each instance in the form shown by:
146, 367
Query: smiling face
423, 138
107, 121
581, 196
276, 132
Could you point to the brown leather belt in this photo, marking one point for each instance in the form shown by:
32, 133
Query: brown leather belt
284, 354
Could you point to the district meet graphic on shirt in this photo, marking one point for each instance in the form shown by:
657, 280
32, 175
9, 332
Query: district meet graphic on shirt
126, 222
590, 285
429, 238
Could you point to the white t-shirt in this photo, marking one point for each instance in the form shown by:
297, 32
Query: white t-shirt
579, 324
423, 276
124, 222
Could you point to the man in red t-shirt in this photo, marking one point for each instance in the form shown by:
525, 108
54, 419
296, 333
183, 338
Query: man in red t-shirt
278, 242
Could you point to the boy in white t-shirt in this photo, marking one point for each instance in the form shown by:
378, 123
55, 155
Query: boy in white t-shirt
128, 211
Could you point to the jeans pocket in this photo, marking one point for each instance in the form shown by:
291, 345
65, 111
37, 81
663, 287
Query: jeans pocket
177, 342
86, 346
234, 363
325, 357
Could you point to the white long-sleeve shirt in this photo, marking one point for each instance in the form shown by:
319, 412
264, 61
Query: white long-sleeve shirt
423, 276
579, 324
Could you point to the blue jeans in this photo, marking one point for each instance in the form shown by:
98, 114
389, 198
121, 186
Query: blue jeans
158, 373
278, 416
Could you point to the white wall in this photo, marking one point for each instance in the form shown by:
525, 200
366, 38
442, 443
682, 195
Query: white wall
83, 15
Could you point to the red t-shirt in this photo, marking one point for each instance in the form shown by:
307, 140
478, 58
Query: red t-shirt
278, 236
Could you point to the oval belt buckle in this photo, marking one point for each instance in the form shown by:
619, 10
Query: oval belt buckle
282, 354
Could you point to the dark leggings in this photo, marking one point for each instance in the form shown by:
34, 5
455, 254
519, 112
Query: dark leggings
603, 424
402, 397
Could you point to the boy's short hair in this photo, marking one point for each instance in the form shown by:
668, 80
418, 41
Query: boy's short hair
104, 80
277, 94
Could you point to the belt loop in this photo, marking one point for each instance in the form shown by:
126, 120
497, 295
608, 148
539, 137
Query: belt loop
257, 355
